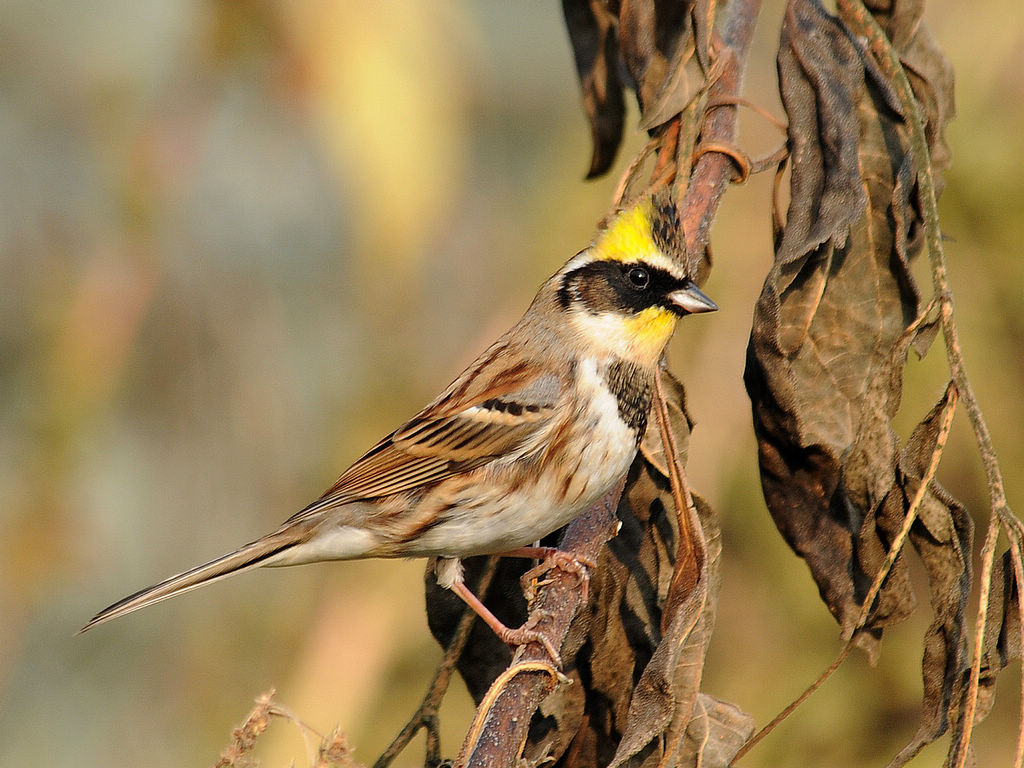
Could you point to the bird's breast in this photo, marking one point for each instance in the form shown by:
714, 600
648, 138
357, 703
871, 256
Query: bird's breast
514, 502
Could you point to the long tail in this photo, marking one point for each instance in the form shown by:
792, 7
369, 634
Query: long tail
250, 556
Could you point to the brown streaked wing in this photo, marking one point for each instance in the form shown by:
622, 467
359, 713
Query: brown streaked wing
492, 418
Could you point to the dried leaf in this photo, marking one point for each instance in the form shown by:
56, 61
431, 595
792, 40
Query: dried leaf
653, 36
664, 698
821, 73
1002, 640
704, 12
828, 344
833, 325
661, 46
929, 71
942, 537
715, 734
591, 28
679, 84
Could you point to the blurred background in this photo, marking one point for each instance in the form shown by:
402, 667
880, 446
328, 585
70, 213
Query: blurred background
240, 241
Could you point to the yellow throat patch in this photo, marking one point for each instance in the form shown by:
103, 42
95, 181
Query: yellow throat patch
647, 333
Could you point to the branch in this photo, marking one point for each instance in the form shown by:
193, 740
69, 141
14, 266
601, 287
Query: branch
713, 169
503, 719
500, 728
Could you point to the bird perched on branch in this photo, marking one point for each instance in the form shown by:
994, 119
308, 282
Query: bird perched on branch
535, 431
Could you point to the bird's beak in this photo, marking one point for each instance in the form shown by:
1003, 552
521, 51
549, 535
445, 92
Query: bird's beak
690, 300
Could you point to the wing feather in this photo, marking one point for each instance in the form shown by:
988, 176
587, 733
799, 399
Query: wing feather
482, 416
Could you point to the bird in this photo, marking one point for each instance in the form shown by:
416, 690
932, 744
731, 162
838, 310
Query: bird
535, 431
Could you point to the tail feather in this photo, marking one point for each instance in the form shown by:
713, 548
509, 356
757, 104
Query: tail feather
250, 556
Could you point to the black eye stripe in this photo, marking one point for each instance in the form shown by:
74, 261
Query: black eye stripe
603, 286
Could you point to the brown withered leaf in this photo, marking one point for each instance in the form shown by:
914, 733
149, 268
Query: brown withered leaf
595, 46
651, 34
662, 47
822, 80
929, 71
821, 371
704, 12
715, 734
1002, 639
829, 342
664, 699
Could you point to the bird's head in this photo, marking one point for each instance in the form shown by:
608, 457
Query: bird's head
625, 292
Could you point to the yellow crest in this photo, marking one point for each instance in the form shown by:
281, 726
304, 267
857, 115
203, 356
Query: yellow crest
628, 236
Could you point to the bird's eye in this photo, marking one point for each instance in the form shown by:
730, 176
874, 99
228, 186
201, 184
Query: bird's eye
638, 277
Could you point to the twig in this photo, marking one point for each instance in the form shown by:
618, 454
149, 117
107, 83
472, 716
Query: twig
771, 160
757, 737
630, 173
426, 715
664, 166
739, 101
739, 158
498, 686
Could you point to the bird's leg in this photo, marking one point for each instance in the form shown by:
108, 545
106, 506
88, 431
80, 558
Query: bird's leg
552, 557
522, 636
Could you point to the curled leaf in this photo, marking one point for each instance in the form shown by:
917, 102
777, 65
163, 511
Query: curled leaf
595, 46
658, 48
837, 315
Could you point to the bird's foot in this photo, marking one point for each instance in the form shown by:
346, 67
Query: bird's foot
527, 634
553, 559
524, 635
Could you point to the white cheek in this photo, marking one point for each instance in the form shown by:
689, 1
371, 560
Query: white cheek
605, 332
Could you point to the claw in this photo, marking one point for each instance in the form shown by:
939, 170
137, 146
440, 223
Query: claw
552, 558
563, 561
526, 634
